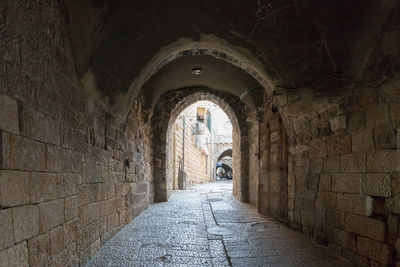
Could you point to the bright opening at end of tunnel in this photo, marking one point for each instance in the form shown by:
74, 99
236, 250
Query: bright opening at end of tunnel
200, 147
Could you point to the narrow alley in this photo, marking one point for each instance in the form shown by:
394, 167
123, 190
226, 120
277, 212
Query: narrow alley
206, 226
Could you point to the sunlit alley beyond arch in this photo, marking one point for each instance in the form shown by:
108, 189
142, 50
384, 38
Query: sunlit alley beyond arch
98, 97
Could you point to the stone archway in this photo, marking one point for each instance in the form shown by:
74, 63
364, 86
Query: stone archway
225, 153
169, 106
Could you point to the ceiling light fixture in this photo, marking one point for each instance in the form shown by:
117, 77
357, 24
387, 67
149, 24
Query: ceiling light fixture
197, 70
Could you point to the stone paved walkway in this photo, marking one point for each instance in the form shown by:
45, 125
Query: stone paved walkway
206, 226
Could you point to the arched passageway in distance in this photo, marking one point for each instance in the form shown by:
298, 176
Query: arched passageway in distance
226, 153
166, 110
225, 169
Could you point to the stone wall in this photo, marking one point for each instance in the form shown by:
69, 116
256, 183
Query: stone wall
71, 174
196, 165
343, 174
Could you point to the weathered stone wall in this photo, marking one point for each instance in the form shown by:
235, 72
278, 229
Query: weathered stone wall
343, 172
196, 165
71, 174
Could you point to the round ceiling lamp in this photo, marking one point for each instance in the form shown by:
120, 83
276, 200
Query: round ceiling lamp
197, 70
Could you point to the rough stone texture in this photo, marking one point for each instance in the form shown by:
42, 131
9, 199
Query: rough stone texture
39, 250
376, 185
358, 204
369, 227
26, 222
51, 214
15, 256
346, 183
9, 115
6, 229
372, 249
383, 161
14, 188
177, 237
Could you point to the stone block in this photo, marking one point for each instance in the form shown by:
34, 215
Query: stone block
6, 229
318, 148
355, 203
383, 161
368, 227
37, 126
51, 214
376, 115
71, 207
356, 121
63, 160
374, 250
326, 199
15, 256
69, 229
46, 186
14, 188
345, 239
91, 173
338, 145
56, 240
307, 218
395, 183
39, 250
352, 163
4, 150
384, 137
27, 154
324, 183
26, 222
316, 165
108, 207
331, 164
335, 218
88, 235
338, 123
376, 185
9, 115
346, 183
70, 181
89, 213
362, 141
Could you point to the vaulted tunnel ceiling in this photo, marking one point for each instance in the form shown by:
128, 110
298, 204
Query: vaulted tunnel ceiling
297, 42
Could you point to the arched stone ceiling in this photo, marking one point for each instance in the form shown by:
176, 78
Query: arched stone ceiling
226, 153
296, 42
217, 74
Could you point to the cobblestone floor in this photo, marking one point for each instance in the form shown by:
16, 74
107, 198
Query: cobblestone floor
206, 226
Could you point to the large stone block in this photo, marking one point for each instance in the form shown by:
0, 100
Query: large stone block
14, 188
331, 164
368, 227
384, 137
88, 235
326, 199
4, 150
51, 214
325, 183
15, 256
395, 183
376, 185
6, 229
338, 145
70, 181
346, 183
91, 173
318, 148
362, 141
376, 115
38, 126
56, 240
374, 250
46, 186
9, 115
352, 163
64, 160
39, 250
108, 207
71, 207
27, 154
69, 229
89, 213
26, 222
383, 161
355, 203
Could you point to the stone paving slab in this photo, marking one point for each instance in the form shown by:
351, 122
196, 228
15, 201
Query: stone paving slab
206, 226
